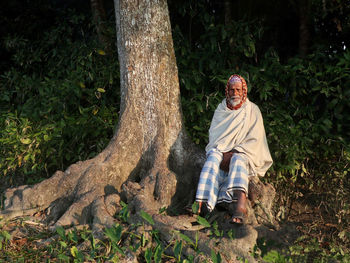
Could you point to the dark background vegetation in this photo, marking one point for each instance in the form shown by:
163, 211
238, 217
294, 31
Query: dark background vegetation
59, 93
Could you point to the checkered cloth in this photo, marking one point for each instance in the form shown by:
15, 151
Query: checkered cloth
215, 185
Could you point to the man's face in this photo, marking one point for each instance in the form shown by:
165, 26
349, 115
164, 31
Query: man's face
235, 92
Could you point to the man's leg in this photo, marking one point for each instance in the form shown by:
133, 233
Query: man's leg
208, 185
237, 185
240, 210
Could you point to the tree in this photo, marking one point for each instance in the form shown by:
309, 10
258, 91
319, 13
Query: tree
150, 161
304, 31
100, 20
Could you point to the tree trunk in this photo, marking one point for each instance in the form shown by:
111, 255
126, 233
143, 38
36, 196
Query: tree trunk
150, 162
100, 20
304, 27
228, 12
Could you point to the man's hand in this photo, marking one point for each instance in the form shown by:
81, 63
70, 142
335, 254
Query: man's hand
225, 163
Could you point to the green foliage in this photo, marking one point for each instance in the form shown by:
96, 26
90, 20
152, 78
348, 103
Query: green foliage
114, 233
147, 217
203, 221
274, 256
204, 69
5, 237
59, 102
124, 212
215, 257
195, 207
121, 239
305, 103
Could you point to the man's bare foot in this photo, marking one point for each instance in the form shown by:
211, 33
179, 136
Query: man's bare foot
240, 211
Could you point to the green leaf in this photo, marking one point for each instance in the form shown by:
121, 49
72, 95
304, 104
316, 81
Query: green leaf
117, 248
82, 85
273, 256
74, 236
63, 244
197, 128
148, 255
195, 207
6, 235
114, 233
101, 90
143, 240
178, 249
26, 140
186, 238
216, 258
197, 239
93, 242
158, 254
203, 221
231, 234
147, 217
61, 232
63, 257
74, 251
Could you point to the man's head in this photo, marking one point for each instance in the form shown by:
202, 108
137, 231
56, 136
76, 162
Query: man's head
236, 92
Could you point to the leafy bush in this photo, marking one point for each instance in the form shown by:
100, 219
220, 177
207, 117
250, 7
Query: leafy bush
59, 100
304, 103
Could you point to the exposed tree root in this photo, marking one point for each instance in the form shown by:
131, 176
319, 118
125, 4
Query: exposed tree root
144, 196
90, 193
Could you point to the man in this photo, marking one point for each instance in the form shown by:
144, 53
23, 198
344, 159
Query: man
237, 149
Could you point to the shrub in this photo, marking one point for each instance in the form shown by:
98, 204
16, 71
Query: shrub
59, 100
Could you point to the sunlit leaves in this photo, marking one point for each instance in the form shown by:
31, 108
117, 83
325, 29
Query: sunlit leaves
147, 217
203, 221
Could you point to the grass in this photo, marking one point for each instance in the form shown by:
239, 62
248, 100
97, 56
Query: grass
25, 240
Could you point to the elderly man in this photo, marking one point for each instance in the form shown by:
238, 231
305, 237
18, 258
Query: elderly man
237, 149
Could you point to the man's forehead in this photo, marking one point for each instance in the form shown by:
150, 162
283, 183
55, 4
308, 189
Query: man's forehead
235, 85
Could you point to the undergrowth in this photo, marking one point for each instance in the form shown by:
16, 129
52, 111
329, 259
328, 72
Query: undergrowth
129, 241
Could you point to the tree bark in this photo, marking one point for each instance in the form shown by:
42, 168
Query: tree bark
150, 162
100, 20
304, 27
228, 12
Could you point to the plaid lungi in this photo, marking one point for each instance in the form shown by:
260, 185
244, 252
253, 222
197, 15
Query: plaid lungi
217, 186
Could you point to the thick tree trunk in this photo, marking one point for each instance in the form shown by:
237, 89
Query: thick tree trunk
149, 145
150, 162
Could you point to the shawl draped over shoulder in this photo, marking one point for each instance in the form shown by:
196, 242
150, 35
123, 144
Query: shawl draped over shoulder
241, 130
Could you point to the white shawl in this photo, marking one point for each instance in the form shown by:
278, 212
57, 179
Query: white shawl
241, 130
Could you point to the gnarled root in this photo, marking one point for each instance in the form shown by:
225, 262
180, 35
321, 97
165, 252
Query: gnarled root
73, 197
145, 196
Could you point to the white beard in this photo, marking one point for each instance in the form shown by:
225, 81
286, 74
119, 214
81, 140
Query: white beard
234, 101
